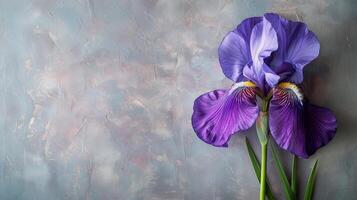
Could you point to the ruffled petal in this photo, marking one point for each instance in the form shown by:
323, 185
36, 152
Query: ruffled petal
297, 46
220, 113
263, 42
299, 127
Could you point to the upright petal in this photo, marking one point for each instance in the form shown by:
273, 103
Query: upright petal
220, 113
244, 29
234, 51
263, 42
233, 56
298, 126
298, 46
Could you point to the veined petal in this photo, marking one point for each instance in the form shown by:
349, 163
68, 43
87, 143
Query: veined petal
220, 113
234, 51
297, 46
296, 125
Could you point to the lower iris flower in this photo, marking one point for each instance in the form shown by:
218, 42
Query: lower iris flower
265, 56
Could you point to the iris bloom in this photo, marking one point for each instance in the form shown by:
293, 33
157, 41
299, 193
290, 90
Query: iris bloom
265, 56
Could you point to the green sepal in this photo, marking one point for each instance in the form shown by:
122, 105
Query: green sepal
310, 183
262, 127
256, 166
284, 179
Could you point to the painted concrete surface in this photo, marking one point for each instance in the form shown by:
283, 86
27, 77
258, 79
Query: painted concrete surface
96, 99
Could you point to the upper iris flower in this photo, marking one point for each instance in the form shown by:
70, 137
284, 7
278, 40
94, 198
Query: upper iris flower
265, 56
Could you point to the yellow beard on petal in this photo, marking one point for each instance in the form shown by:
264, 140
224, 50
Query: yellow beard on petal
242, 84
292, 87
249, 84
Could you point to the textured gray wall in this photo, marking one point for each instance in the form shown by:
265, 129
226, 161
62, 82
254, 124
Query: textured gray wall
96, 98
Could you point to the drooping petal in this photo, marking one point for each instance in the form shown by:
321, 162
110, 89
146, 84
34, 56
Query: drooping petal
234, 51
263, 42
220, 113
298, 46
298, 126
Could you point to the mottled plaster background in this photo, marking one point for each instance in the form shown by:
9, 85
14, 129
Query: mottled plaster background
96, 98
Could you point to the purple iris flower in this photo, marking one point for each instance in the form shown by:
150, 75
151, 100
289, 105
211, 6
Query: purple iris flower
265, 56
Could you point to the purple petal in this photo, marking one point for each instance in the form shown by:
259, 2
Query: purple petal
263, 42
297, 46
245, 28
300, 128
234, 51
233, 56
220, 113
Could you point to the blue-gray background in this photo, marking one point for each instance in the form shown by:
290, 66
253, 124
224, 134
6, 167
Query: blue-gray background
96, 98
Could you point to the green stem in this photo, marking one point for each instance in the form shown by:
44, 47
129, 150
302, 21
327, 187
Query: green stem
263, 171
262, 131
